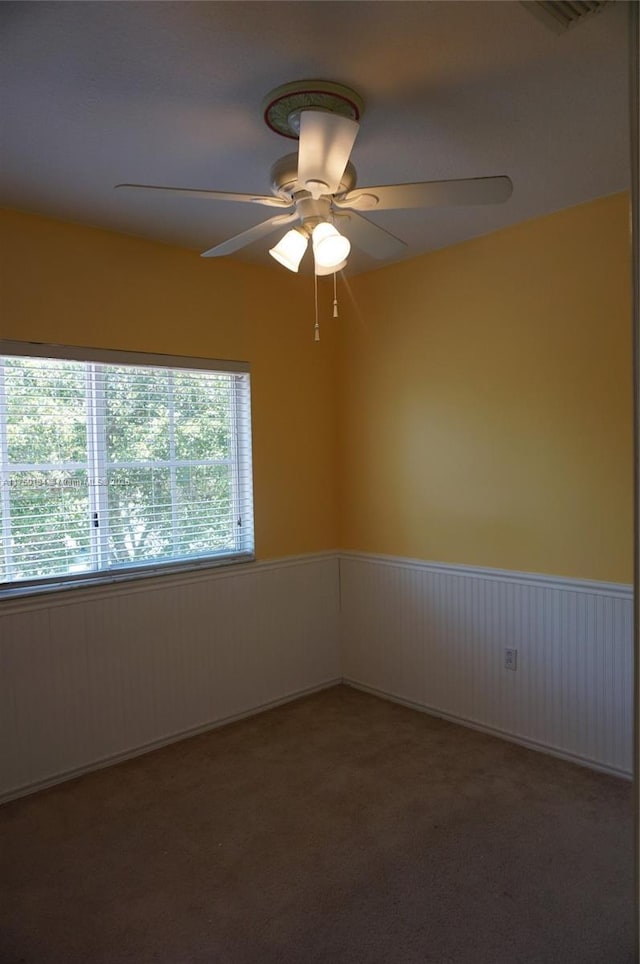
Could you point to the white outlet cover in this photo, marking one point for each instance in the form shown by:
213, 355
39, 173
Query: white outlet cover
510, 658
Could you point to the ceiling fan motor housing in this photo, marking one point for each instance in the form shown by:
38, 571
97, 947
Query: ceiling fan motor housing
284, 177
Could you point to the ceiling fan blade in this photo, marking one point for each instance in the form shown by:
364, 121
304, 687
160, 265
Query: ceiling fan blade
247, 237
370, 237
429, 194
323, 152
268, 200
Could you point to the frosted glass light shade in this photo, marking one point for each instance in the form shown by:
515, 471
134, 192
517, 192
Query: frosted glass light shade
320, 271
290, 249
330, 247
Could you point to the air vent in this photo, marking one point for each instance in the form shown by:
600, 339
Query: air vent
559, 15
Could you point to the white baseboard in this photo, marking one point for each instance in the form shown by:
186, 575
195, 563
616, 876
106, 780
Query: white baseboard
131, 754
492, 731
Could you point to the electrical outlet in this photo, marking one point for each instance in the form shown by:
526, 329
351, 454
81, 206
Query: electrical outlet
510, 658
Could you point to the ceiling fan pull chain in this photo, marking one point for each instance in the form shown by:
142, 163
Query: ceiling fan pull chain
335, 296
317, 326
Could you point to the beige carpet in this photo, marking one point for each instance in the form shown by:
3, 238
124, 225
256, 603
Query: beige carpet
340, 828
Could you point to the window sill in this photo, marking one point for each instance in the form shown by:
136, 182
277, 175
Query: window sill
56, 588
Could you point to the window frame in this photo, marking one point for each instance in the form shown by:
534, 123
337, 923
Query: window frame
241, 464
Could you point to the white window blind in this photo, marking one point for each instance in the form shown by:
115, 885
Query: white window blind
113, 468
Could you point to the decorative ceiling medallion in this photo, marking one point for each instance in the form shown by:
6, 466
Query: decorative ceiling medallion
283, 105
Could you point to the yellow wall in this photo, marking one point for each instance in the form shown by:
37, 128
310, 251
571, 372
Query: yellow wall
486, 413
470, 406
74, 285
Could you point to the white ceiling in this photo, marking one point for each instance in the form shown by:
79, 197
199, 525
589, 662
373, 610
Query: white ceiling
170, 93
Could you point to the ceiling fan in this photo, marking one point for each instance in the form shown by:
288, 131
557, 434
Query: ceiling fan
317, 186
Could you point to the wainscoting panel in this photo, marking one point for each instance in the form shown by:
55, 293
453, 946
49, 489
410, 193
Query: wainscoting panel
89, 676
434, 636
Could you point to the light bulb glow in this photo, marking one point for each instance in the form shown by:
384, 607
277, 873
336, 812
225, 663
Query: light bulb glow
290, 249
330, 248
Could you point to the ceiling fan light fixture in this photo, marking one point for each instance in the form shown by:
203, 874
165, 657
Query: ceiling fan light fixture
330, 248
320, 271
290, 250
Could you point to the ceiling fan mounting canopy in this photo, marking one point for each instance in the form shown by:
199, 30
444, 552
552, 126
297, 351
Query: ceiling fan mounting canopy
282, 107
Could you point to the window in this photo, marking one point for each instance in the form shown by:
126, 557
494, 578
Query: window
113, 464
